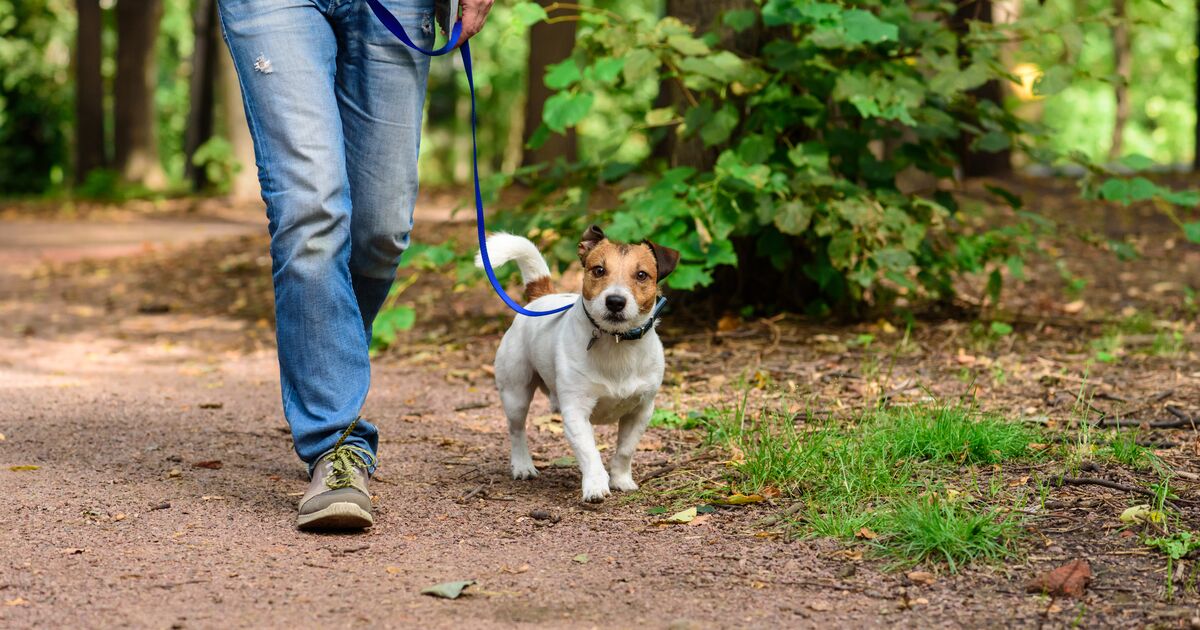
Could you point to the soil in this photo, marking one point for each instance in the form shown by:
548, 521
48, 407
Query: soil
142, 385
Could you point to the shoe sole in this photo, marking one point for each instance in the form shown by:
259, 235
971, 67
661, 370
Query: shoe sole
337, 516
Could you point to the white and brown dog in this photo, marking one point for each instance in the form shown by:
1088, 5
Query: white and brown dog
600, 362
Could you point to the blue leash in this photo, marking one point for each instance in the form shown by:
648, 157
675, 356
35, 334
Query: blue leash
392, 24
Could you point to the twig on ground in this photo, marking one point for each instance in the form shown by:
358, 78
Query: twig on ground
669, 468
780, 516
471, 495
1179, 413
1184, 422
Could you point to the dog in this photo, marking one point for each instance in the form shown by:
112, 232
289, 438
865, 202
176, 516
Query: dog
599, 362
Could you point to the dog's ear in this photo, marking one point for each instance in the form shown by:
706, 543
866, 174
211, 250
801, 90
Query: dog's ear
666, 259
591, 238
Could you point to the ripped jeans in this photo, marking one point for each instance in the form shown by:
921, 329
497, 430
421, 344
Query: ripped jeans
334, 103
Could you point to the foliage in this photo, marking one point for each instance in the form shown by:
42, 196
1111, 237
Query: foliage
35, 97
932, 529
816, 137
220, 165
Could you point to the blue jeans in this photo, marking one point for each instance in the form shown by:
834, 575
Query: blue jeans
334, 103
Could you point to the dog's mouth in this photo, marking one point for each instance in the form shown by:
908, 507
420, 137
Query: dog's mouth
615, 318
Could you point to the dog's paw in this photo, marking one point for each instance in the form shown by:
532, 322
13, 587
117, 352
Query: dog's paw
622, 483
595, 489
524, 471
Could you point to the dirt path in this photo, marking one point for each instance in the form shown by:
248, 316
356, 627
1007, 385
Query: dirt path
116, 404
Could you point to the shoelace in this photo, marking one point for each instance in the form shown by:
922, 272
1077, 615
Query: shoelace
344, 459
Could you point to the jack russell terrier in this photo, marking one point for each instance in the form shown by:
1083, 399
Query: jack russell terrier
600, 362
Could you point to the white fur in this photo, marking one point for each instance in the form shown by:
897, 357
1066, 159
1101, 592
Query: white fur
611, 383
504, 247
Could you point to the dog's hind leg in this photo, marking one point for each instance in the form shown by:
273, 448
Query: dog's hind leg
516, 408
629, 431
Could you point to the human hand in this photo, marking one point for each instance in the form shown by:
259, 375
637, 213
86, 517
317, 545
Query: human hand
474, 14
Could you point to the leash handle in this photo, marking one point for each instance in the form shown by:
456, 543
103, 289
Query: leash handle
390, 22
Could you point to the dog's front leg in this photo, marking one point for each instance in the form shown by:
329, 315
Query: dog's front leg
629, 432
577, 426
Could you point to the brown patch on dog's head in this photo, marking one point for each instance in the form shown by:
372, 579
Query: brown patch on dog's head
637, 268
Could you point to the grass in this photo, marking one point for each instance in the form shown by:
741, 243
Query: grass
1124, 449
884, 473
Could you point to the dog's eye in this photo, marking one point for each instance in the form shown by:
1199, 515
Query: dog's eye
598, 271
642, 276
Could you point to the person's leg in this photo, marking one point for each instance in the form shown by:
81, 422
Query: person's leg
285, 53
380, 89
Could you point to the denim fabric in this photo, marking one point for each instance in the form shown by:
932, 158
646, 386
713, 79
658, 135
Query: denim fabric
334, 104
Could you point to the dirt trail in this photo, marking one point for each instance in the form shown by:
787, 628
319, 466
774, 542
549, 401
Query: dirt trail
118, 526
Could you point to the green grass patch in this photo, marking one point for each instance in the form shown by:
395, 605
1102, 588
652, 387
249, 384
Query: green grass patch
908, 475
1124, 449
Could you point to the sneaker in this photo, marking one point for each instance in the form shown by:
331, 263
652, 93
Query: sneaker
337, 497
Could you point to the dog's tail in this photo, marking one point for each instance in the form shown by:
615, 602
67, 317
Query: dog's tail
504, 247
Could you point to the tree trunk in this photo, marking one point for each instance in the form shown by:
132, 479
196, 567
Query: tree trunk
548, 44
1123, 63
134, 133
245, 184
202, 84
1196, 101
89, 91
980, 163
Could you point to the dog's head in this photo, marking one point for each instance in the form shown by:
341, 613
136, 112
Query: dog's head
620, 281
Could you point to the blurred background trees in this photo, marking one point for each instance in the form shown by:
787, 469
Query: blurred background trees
807, 143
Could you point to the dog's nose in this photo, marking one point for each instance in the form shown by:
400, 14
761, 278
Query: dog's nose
615, 303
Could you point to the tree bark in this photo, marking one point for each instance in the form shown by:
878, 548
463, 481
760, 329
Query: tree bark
980, 163
1123, 64
89, 91
134, 133
201, 89
548, 44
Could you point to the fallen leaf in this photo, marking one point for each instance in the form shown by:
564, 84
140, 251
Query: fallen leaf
212, 497
686, 516
71, 551
394, 570
24, 467
174, 472
1, 437
212, 464
1069, 580
20, 601
866, 533
1071, 308
820, 605
741, 499
1141, 514
729, 322
448, 590
699, 520
581, 558
921, 577
521, 569
119, 516
563, 462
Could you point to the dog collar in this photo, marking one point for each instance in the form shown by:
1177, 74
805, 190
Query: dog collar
632, 334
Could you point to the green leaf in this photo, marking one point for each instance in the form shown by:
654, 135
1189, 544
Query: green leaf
566, 109
688, 45
740, 19
686, 516
660, 116
447, 590
640, 63
528, 13
793, 217
1192, 231
862, 27
1115, 190
563, 462
1054, 80
1001, 329
1142, 189
581, 558
687, 277
563, 74
606, 70
1136, 162
722, 124
992, 142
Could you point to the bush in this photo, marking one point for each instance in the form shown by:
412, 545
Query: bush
802, 149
